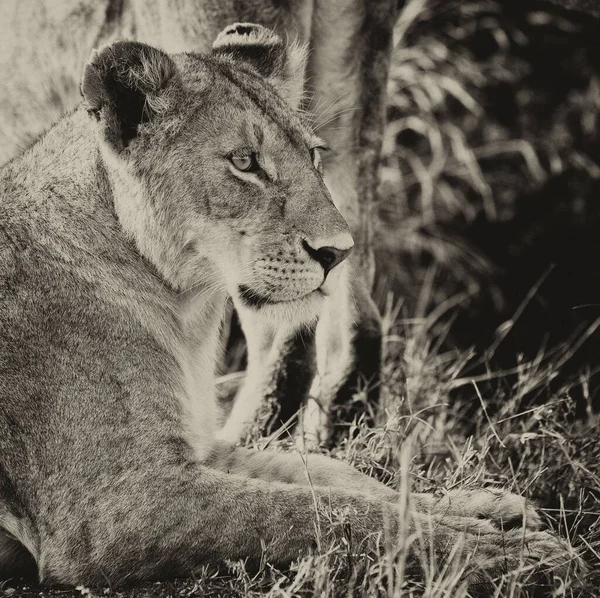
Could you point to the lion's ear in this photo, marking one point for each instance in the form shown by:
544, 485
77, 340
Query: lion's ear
124, 85
283, 65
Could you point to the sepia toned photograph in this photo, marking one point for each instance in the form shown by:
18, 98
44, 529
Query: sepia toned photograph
299, 298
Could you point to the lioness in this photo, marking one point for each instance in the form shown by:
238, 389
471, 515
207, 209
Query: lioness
181, 179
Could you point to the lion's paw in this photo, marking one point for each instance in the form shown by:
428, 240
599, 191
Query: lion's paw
533, 557
505, 510
485, 554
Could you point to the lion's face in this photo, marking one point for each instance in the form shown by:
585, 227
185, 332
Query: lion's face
256, 203
231, 178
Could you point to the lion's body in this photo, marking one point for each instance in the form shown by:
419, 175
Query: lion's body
111, 310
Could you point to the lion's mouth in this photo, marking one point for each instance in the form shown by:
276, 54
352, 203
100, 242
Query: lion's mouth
253, 299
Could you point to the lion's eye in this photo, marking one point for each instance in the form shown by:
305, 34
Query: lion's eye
247, 163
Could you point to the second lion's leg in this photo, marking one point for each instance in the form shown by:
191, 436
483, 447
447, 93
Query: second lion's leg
348, 67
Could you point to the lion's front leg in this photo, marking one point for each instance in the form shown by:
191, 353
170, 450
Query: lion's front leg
480, 535
349, 352
503, 511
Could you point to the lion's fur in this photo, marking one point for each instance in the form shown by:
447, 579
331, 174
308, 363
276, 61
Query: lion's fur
115, 266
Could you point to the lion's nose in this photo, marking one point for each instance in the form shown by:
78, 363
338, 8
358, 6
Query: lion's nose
328, 257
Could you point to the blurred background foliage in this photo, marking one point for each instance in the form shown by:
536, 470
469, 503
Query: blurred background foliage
488, 226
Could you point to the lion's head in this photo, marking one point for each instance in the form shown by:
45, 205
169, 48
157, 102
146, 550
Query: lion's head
216, 176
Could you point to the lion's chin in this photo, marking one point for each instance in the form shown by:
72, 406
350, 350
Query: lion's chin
290, 313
